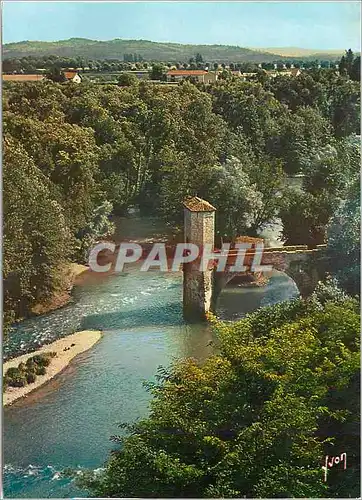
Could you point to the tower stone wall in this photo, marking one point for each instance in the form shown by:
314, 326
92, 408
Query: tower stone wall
202, 288
199, 227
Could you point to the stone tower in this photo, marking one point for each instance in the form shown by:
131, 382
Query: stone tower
199, 227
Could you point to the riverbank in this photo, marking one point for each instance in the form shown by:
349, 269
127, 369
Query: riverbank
74, 344
61, 296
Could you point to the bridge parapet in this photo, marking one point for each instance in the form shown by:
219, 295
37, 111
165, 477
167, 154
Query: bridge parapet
202, 287
299, 262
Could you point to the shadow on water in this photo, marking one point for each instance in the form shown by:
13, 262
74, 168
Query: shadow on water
236, 301
154, 315
68, 422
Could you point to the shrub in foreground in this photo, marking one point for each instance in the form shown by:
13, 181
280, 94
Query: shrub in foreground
255, 420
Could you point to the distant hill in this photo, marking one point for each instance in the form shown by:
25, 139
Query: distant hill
300, 52
150, 51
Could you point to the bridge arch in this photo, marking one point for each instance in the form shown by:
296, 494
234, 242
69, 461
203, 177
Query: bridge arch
302, 266
202, 288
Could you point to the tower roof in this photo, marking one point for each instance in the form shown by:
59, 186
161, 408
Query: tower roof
196, 204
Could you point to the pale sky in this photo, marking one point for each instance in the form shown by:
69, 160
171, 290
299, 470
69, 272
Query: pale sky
317, 25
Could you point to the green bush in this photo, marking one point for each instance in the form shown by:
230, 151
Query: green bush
38, 359
27, 372
254, 420
12, 372
30, 366
30, 378
19, 381
32, 369
15, 377
40, 370
42, 359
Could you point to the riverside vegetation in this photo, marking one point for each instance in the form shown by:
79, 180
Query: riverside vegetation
258, 418
73, 154
255, 420
26, 373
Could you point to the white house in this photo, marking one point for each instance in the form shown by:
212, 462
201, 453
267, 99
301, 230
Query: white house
73, 76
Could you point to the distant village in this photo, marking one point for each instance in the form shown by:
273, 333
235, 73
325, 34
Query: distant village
165, 73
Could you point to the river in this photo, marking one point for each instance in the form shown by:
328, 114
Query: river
69, 421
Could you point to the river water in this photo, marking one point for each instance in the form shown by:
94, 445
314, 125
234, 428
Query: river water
69, 421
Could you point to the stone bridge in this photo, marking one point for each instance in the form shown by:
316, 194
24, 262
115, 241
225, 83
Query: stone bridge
201, 288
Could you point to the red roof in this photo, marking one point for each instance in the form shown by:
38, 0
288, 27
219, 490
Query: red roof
70, 74
23, 78
196, 204
186, 72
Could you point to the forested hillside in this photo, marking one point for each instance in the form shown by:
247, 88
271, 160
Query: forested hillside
150, 51
75, 153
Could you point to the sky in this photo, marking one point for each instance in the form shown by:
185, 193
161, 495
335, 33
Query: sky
311, 25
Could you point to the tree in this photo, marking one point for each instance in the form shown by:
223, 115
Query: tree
253, 420
349, 60
250, 109
301, 136
355, 72
305, 217
247, 196
329, 174
350, 65
238, 200
345, 109
126, 80
98, 226
343, 67
198, 58
37, 240
157, 72
128, 58
305, 90
344, 242
56, 74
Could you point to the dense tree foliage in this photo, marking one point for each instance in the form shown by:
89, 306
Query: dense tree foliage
344, 248
36, 236
95, 147
83, 53
255, 420
329, 173
350, 65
